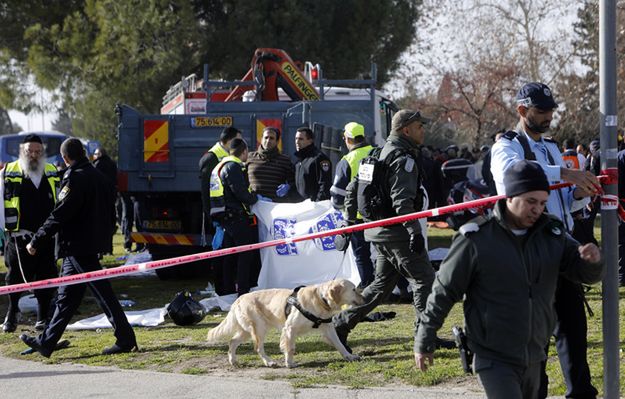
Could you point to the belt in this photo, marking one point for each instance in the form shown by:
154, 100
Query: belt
21, 234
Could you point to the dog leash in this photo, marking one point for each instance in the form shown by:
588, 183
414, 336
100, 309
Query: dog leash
340, 264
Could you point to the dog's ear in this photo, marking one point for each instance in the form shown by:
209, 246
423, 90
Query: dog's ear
335, 292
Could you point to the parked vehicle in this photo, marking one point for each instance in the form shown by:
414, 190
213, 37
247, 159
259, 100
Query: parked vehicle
159, 154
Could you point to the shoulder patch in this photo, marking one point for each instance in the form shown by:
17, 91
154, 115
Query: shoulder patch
550, 140
325, 165
467, 228
510, 135
555, 226
63, 193
409, 165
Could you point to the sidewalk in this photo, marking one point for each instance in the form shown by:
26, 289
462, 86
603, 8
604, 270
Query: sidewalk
26, 379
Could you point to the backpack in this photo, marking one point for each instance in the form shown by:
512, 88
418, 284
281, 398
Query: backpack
374, 199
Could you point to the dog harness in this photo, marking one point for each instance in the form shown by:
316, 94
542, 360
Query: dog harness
292, 301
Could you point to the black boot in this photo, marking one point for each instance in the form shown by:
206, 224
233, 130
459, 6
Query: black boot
10, 323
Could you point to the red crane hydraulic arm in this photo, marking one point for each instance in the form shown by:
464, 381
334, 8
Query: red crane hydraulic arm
273, 68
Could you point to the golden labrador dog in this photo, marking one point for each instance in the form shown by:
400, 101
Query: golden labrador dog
252, 314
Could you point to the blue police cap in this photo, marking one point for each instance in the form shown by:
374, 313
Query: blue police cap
536, 95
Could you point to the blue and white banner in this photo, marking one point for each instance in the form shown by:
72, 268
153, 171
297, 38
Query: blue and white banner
306, 262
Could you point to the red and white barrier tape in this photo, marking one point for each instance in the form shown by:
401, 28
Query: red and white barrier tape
159, 264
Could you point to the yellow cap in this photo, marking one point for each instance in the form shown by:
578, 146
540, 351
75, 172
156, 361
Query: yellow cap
353, 129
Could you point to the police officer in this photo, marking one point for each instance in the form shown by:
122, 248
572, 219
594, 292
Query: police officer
535, 106
210, 159
508, 305
401, 247
81, 219
313, 170
30, 187
346, 170
231, 199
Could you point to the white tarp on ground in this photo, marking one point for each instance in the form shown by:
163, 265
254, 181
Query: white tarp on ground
305, 262
142, 318
151, 317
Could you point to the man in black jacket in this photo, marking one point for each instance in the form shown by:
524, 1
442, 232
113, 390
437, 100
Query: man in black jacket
508, 305
208, 162
107, 166
231, 199
80, 218
313, 170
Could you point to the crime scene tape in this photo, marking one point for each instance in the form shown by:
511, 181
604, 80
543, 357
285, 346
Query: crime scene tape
159, 264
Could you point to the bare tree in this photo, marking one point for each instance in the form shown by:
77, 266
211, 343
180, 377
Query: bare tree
482, 51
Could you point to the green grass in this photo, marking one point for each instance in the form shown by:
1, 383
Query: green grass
385, 347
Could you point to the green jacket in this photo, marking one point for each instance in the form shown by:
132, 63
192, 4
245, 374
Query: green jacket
509, 283
405, 192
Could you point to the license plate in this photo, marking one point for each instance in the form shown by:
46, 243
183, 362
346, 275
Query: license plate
171, 225
211, 121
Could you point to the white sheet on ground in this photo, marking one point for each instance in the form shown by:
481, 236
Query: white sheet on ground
137, 318
151, 317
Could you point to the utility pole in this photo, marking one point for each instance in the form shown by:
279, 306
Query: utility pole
609, 233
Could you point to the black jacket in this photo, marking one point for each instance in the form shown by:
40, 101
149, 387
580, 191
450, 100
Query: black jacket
108, 168
237, 196
508, 286
82, 214
313, 174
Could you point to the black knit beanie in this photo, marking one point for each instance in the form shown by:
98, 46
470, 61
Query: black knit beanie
524, 176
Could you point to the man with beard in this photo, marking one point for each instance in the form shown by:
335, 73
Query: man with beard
535, 106
30, 192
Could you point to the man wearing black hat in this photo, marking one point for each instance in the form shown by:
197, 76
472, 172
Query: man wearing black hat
401, 247
535, 106
30, 188
508, 300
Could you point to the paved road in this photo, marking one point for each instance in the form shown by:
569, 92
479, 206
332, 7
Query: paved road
26, 379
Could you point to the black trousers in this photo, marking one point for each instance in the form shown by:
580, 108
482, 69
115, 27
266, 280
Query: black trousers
70, 296
41, 266
127, 219
237, 268
571, 335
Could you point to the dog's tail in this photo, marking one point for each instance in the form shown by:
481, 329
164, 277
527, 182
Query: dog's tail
224, 330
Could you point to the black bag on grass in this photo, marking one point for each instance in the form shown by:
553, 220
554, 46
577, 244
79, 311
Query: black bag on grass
184, 310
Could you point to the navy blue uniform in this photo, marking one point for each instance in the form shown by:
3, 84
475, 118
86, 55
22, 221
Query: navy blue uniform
82, 220
313, 174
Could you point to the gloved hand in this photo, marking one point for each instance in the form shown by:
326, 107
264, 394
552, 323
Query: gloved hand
417, 244
341, 242
218, 238
283, 189
261, 198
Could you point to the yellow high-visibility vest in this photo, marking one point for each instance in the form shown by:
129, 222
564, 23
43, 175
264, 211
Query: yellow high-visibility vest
13, 176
